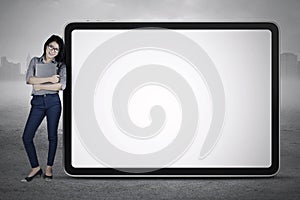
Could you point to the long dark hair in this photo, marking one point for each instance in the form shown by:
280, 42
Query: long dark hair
61, 54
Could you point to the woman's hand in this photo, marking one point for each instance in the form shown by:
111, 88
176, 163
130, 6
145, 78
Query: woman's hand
54, 79
37, 87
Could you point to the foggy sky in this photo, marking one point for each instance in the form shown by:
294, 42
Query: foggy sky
25, 25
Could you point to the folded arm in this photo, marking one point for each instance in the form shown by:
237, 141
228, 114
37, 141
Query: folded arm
38, 83
52, 87
36, 80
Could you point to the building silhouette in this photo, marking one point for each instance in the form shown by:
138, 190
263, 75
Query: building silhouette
10, 71
289, 66
290, 76
298, 69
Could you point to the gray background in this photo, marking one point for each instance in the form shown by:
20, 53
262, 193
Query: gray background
25, 25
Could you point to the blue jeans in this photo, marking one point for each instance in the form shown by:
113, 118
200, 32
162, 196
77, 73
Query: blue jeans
48, 105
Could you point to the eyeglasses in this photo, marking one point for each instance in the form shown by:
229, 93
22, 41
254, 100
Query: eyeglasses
51, 48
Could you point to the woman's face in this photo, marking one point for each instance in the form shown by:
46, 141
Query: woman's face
52, 50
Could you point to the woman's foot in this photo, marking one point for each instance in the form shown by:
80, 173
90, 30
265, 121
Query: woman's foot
37, 171
34, 171
48, 173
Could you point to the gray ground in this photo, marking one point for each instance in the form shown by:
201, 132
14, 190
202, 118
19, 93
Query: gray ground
14, 166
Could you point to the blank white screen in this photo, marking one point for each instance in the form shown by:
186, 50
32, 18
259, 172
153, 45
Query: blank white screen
243, 61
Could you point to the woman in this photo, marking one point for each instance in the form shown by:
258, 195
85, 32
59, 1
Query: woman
45, 102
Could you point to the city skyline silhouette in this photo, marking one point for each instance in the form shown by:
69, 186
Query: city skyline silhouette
289, 63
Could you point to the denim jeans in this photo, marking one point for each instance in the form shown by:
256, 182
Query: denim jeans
48, 105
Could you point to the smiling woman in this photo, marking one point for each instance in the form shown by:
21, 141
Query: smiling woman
45, 103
